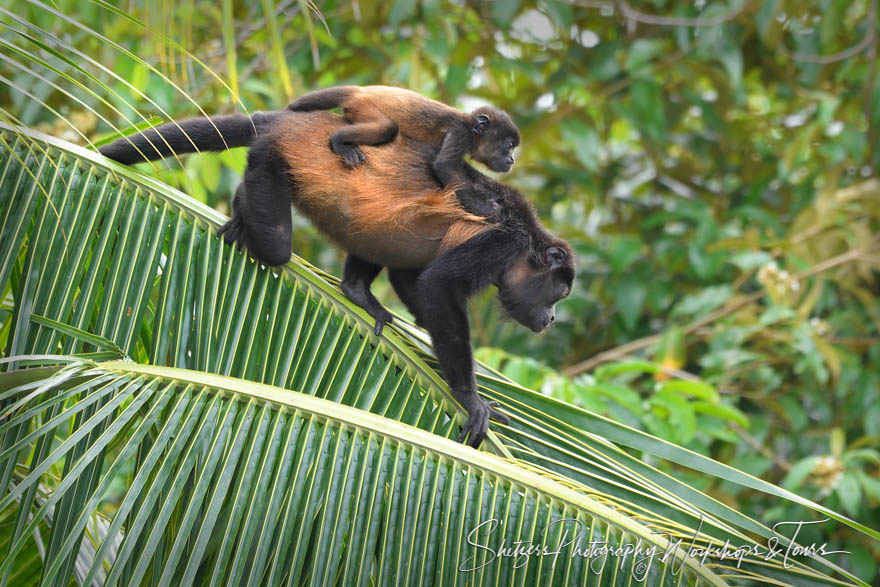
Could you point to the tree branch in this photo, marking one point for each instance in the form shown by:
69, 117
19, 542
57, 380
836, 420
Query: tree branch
868, 41
627, 11
753, 442
869, 93
634, 15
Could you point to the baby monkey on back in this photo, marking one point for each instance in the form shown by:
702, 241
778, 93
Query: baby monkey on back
377, 113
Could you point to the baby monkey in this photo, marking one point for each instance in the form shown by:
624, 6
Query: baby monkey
378, 113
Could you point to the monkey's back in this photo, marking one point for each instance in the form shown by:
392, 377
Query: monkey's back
389, 209
417, 116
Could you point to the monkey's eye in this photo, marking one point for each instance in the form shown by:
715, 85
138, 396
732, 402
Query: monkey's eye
555, 255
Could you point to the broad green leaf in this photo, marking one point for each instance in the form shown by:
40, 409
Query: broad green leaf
695, 389
722, 411
503, 11
850, 494
641, 53
630, 300
799, 472
648, 109
584, 142
401, 10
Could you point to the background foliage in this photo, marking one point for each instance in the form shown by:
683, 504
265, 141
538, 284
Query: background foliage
713, 163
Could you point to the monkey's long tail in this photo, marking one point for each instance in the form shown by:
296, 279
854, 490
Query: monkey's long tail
217, 133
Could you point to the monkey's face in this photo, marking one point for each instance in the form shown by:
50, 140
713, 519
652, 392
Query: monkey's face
496, 138
496, 152
529, 293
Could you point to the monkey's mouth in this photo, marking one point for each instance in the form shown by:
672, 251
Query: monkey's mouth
502, 166
536, 325
542, 326
535, 319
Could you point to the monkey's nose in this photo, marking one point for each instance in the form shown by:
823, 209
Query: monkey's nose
510, 161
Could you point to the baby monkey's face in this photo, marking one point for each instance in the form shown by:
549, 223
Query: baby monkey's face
496, 138
495, 151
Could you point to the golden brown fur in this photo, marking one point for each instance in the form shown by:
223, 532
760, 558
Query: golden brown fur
407, 108
391, 205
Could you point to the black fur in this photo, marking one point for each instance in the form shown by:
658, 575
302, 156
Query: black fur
261, 207
436, 294
326, 99
489, 136
404, 282
449, 164
187, 136
357, 276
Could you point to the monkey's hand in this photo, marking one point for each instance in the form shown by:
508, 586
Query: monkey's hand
479, 413
479, 205
494, 207
352, 156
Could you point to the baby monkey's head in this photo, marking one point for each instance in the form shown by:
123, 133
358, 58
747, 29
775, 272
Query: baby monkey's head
495, 138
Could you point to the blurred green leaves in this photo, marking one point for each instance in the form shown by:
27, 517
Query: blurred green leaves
584, 142
717, 182
647, 111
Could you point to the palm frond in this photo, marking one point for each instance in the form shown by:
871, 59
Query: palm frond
114, 253
256, 484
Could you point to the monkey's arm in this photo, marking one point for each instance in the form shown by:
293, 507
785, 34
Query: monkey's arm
449, 168
449, 163
442, 292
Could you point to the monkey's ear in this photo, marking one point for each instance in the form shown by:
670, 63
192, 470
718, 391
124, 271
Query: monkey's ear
481, 124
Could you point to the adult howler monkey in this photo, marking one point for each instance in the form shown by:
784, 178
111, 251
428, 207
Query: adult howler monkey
378, 113
389, 212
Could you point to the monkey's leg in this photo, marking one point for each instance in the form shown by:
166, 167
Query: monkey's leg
326, 99
369, 126
261, 208
443, 289
404, 283
357, 276
448, 167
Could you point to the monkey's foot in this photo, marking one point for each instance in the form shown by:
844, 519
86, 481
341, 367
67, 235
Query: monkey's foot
352, 156
382, 317
233, 231
360, 295
477, 425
